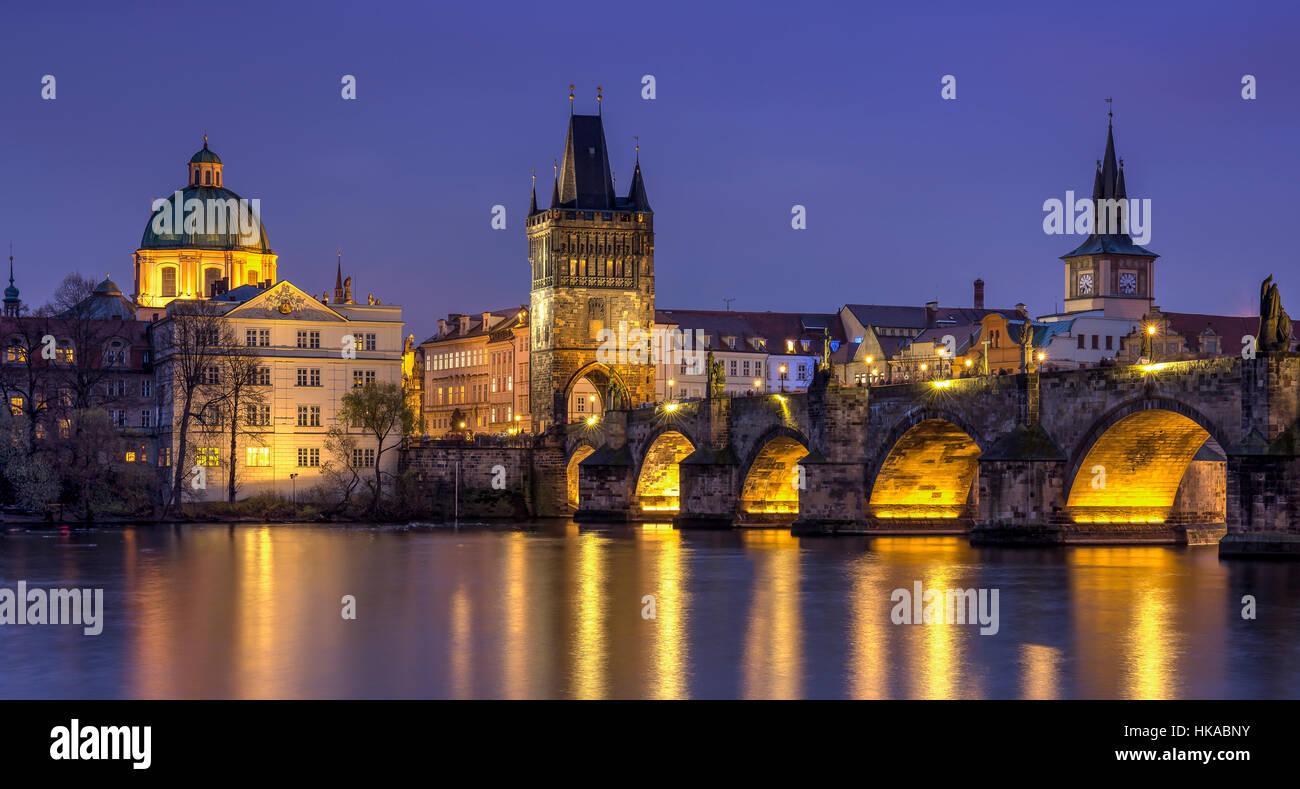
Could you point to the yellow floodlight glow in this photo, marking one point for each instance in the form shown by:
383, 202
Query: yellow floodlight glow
1041, 356
1154, 368
591, 420
941, 384
670, 407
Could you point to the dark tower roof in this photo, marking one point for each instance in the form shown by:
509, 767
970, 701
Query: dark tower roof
1108, 184
585, 180
555, 194
636, 196
532, 203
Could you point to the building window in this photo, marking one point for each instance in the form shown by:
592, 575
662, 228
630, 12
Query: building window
167, 276
259, 415
308, 339
258, 456
308, 416
146, 388
1094, 342
1083, 338
164, 455
363, 458
209, 456
263, 377
309, 377
362, 377
212, 375
308, 457
1109, 342
368, 342
146, 419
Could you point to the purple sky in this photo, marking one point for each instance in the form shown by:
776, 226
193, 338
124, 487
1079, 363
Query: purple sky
768, 105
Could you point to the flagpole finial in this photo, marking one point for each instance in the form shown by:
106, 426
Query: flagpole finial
637, 144
598, 97
1110, 111
570, 99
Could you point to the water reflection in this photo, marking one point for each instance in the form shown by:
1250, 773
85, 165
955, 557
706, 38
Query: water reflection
644, 611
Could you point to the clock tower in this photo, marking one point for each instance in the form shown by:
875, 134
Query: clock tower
1108, 271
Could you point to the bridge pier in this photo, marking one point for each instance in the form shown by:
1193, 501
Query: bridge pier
707, 478
607, 477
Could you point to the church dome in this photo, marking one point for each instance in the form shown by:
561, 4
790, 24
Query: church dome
205, 156
167, 227
177, 238
108, 288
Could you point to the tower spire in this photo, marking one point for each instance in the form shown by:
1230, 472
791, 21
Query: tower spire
12, 304
338, 280
532, 203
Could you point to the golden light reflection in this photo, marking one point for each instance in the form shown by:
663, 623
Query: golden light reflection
772, 664
462, 647
516, 611
589, 680
870, 631
670, 647
1125, 594
255, 615
1042, 667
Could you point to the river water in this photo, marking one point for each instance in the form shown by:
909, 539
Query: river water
553, 610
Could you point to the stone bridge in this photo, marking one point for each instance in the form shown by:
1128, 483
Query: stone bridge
1182, 452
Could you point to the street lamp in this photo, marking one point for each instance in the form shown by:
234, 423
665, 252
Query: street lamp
293, 479
782, 369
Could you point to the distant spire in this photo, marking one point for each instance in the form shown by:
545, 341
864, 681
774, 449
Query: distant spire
636, 195
555, 185
532, 203
338, 280
1110, 111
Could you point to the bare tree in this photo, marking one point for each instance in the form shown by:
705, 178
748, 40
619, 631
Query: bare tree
243, 402
26, 374
383, 411
194, 340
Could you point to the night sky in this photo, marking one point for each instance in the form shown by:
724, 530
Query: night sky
759, 107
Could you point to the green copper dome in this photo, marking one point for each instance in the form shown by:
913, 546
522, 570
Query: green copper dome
175, 237
205, 156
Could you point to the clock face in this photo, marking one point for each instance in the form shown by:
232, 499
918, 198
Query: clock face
1128, 283
1085, 284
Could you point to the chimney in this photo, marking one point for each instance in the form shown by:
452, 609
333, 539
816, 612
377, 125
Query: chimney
487, 321
1022, 311
442, 327
979, 294
931, 314
463, 320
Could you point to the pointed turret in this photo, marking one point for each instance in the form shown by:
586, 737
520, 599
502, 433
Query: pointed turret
636, 196
532, 203
12, 302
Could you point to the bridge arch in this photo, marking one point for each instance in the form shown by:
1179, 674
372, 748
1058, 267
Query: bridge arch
929, 468
767, 481
1131, 465
658, 486
579, 453
586, 394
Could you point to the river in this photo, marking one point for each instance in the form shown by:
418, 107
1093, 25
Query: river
554, 610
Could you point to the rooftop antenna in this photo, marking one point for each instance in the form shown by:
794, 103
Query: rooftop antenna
728, 300
570, 99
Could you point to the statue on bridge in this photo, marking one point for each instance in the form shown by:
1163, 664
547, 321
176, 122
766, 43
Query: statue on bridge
617, 396
1027, 346
1274, 324
717, 378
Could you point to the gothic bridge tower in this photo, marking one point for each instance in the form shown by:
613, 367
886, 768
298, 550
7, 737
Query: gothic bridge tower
591, 257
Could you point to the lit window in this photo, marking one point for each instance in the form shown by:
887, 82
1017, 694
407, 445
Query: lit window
209, 456
259, 456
